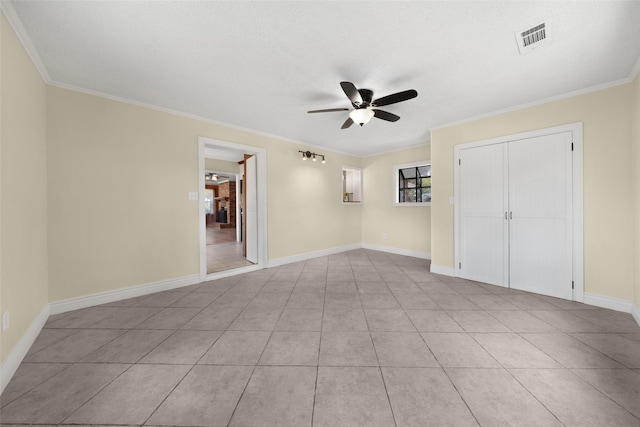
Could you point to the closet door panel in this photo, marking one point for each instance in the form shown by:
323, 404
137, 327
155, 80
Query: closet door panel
483, 232
540, 203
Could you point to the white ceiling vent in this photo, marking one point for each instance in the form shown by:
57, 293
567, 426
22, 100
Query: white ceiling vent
532, 38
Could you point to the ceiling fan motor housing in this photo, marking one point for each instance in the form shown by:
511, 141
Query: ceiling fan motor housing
367, 98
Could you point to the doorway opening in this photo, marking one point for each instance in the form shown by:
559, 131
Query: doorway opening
223, 207
232, 214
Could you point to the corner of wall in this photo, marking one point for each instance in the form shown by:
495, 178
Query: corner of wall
635, 123
10, 365
24, 261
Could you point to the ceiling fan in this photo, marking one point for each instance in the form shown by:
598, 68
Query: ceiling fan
364, 105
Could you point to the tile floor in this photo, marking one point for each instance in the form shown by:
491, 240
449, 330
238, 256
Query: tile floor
225, 256
361, 338
223, 252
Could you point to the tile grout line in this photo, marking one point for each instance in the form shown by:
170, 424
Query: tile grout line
315, 388
384, 383
261, 353
138, 361
192, 366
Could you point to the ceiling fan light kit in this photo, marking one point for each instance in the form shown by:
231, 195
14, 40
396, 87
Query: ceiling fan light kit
361, 116
363, 105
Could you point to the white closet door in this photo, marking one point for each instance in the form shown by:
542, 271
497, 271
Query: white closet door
483, 204
540, 206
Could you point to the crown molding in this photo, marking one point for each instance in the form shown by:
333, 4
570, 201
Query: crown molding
190, 116
397, 150
578, 92
16, 24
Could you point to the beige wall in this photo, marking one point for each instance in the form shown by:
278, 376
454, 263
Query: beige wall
221, 166
608, 178
119, 176
636, 168
306, 213
407, 227
23, 170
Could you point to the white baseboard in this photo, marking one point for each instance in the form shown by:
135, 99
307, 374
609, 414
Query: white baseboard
234, 272
445, 271
70, 304
608, 302
276, 262
17, 354
397, 251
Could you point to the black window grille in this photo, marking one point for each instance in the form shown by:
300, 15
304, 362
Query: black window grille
414, 184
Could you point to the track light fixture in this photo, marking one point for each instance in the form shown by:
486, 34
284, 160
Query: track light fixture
309, 155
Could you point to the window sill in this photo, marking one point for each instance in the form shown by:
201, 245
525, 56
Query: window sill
412, 204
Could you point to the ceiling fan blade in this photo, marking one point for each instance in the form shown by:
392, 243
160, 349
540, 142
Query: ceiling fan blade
328, 110
396, 97
351, 92
385, 115
347, 123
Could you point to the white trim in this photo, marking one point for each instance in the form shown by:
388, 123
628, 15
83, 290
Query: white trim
445, 271
191, 116
618, 304
233, 272
409, 204
396, 181
16, 24
579, 92
578, 212
18, 353
570, 127
397, 251
202, 223
342, 184
578, 193
62, 306
276, 262
261, 170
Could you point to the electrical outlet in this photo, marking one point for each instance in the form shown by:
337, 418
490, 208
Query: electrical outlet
384, 236
5, 321
193, 195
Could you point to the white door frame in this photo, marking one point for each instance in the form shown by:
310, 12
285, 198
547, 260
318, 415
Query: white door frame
578, 195
261, 166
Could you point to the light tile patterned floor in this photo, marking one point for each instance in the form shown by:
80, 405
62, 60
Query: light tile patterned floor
225, 256
223, 252
361, 338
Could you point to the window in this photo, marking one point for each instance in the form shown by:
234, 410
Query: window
413, 184
351, 185
208, 201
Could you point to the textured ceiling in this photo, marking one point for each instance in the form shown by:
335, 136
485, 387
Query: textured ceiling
262, 65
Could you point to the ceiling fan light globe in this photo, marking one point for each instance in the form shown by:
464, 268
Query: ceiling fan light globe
361, 115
